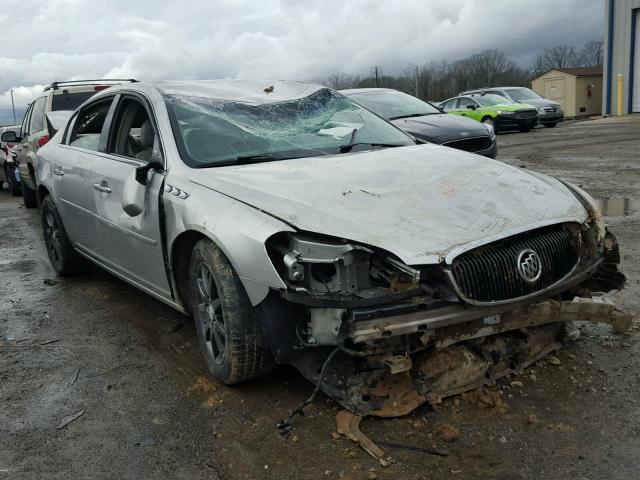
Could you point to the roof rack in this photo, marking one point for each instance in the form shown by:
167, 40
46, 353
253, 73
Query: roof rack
56, 85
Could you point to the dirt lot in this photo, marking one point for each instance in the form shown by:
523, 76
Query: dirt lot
98, 346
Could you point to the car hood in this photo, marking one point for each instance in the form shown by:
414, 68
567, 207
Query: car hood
510, 107
423, 203
542, 102
441, 127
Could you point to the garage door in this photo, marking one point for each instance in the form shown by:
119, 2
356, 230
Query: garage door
635, 103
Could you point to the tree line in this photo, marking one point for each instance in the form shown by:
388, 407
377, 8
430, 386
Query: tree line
442, 79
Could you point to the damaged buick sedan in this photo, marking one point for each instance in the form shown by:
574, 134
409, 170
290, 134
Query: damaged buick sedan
297, 227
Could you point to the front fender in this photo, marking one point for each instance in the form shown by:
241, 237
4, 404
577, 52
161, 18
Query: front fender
239, 230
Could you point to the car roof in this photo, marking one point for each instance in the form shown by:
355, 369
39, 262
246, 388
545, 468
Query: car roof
255, 92
493, 88
350, 91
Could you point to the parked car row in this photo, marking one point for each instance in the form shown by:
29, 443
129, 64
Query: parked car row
299, 227
34, 132
8, 164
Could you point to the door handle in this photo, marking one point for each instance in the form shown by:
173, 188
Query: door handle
58, 171
102, 187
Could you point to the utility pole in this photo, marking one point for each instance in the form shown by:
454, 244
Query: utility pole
14, 109
376, 73
417, 82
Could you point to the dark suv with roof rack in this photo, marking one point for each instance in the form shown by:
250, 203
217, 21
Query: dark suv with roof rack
34, 133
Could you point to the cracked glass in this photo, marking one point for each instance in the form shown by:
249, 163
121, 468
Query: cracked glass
211, 132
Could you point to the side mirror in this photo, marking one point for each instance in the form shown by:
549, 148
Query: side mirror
471, 107
9, 137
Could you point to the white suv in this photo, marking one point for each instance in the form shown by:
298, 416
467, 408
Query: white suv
34, 132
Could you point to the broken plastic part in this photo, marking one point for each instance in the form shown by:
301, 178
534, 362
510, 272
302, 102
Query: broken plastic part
349, 425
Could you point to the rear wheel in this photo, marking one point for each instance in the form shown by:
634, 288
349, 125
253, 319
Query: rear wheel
28, 196
228, 329
64, 258
550, 125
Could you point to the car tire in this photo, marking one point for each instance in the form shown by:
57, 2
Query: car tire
489, 121
14, 187
64, 258
232, 342
551, 124
28, 196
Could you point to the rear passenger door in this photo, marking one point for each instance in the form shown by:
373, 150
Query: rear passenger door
131, 245
72, 173
24, 135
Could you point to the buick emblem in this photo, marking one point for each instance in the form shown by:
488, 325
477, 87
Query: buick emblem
529, 265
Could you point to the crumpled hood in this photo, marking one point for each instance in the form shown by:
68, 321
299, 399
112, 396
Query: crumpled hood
419, 202
442, 127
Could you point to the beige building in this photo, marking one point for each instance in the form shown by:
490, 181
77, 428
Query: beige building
577, 89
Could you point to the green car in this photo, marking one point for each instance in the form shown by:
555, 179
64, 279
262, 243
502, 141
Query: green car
493, 109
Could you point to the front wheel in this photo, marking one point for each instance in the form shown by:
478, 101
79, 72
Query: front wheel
550, 125
489, 121
228, 329
28, 196
64, 258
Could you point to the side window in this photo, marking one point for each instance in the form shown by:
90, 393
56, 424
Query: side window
464, 102
449, 104
24, 129
88, 125
133, 134
37, 115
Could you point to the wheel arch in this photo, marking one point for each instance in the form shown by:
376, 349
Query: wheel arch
42, 192
179, 258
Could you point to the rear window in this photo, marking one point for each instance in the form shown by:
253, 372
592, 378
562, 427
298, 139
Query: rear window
69, 101
37, 117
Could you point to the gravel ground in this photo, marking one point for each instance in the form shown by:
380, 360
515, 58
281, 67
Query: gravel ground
129, 365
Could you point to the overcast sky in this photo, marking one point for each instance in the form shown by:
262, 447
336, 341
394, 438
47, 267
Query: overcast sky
46, 40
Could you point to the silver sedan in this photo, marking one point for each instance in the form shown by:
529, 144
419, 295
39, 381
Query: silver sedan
297, 227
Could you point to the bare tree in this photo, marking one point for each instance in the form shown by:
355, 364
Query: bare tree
560, 56
340, 81
592, 53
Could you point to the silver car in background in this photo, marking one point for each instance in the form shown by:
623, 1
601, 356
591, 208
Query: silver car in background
298, 227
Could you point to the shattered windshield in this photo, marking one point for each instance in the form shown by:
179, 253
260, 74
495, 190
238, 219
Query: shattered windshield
392, 104
212, 132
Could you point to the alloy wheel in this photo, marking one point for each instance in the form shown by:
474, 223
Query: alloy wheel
52, 237
209, 314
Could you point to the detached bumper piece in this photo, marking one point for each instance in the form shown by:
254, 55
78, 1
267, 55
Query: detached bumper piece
461, 357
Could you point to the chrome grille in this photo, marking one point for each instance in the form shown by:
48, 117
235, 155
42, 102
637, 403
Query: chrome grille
550, 109
475, 144
490, 273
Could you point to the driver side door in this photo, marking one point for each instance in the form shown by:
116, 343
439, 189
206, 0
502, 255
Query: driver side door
130, 244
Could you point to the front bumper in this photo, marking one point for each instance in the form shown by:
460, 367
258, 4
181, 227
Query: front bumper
504, 122
550, 117
395, 385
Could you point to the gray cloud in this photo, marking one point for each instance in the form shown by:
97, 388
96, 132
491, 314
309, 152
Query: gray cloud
171, 39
